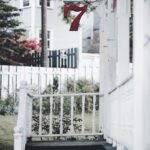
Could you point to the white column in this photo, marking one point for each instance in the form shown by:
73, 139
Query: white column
102, 47
108, 65
18, 142
146, 79
111, 48
123, 40
20, 130
142, 75
103, 66
138, 74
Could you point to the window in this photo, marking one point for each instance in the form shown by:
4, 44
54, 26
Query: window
26, 3
49, 38
49, 3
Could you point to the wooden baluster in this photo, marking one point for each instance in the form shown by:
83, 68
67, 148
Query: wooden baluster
72, 110
61, 114
93, 121
83, 112
100, 112
40, 117
30, 116
51, 116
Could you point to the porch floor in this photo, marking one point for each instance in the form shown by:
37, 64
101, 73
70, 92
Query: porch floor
70, 145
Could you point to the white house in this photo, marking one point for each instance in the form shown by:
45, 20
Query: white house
59, 36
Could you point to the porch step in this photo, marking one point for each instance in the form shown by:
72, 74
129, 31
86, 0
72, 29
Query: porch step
70, 145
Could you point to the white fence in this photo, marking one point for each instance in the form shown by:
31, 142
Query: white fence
118, 115
40, 78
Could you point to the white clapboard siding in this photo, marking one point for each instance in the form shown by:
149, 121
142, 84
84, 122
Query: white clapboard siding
119, 122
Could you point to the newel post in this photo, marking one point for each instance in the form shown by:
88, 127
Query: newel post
20, 129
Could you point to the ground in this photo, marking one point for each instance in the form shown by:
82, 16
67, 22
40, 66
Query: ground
7, 124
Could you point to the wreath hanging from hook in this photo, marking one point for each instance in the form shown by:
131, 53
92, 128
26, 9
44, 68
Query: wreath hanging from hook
77, 6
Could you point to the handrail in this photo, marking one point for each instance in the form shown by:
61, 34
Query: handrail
82, 94
121, 84
65, 94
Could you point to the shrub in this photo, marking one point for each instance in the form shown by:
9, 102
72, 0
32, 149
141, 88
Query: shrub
56, 124
7, 106
83, 86
52, 88
55, 120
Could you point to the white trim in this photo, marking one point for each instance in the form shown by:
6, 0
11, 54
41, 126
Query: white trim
65, 94
67, 134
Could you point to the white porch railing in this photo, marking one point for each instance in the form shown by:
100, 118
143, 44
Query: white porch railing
26, 121
118, 109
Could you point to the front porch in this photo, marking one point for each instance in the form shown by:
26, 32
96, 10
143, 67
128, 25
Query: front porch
120, 108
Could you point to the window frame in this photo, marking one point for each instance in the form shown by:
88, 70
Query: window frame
49, 7
49, 38
25, 6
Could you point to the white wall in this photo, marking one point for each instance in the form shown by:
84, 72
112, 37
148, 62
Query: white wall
120, 116
62, 37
